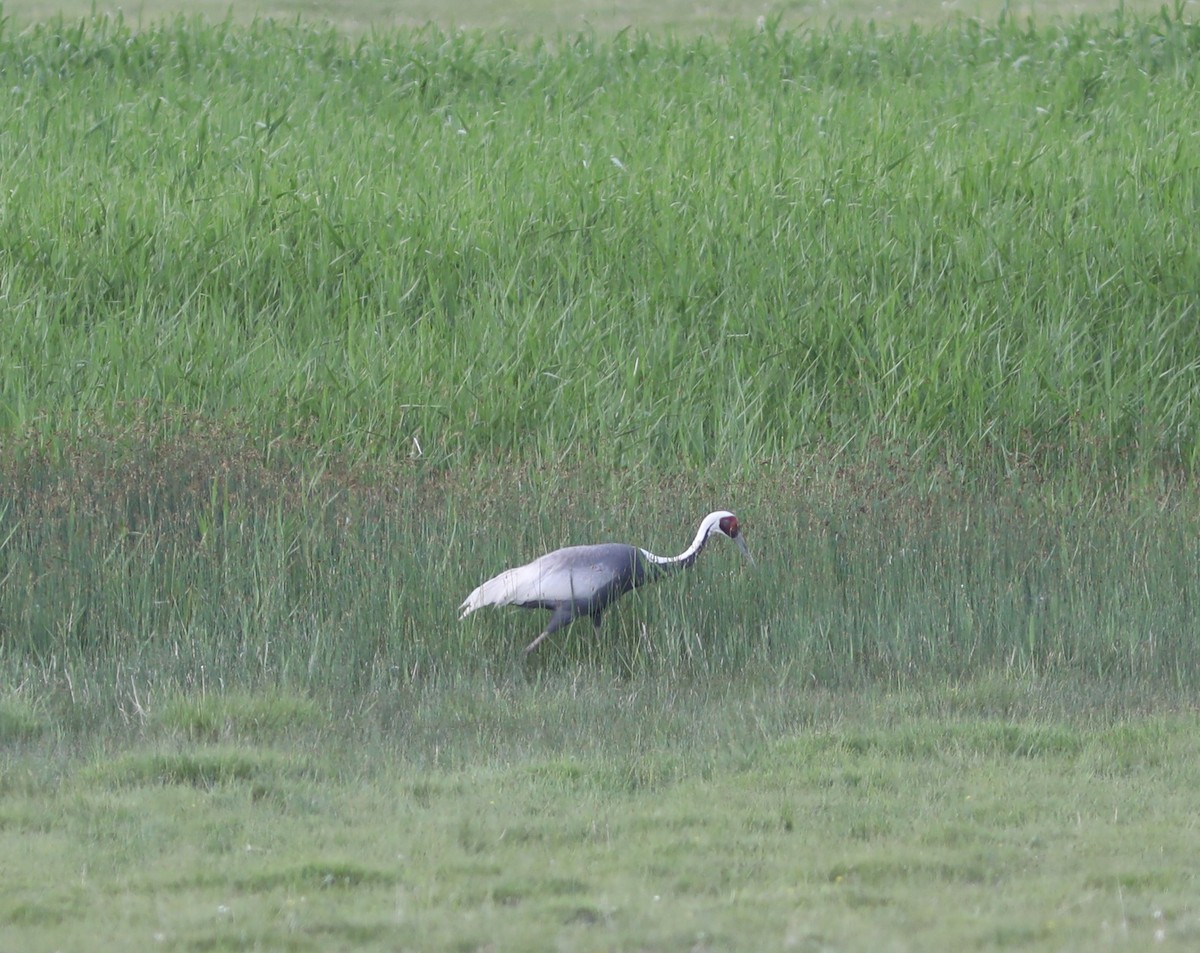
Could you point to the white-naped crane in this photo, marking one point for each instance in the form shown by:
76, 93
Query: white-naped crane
585, 580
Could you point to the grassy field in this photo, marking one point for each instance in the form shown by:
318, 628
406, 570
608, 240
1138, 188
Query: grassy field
966, 240
495, 815
309, 332
550, 17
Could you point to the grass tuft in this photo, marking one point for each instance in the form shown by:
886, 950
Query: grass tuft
238, 718
203, 768
320, 875
20, 721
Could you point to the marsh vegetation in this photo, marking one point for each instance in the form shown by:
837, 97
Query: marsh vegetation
308, 333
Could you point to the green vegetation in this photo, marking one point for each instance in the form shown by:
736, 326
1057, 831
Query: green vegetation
178, 571
663, 815
551, 17
966, 239
306, 334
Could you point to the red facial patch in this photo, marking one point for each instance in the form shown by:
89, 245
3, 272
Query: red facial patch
729, 526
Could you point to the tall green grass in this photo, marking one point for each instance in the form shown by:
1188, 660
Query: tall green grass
203, 570
975, 239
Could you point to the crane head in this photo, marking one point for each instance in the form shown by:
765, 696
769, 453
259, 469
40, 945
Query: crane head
728, 524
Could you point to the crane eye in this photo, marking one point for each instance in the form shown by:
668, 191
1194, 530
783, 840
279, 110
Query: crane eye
729, 526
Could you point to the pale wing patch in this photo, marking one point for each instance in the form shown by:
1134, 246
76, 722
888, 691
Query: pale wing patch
549, 579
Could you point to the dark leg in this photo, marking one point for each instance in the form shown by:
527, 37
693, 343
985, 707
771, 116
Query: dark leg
560, 618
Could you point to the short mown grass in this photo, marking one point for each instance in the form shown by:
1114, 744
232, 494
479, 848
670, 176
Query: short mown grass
639, 815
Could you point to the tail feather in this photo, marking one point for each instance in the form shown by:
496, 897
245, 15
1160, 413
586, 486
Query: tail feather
498, 591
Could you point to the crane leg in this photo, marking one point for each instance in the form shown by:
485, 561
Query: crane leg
563, 616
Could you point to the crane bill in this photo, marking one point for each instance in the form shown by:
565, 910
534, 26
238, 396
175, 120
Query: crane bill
741, 541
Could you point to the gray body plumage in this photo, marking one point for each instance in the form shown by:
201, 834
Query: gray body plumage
585, 580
